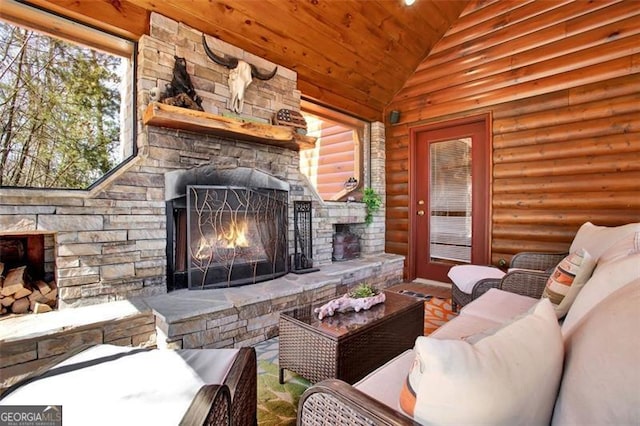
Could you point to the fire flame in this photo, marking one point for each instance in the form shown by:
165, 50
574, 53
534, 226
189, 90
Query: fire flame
236, 236
233, 237
204, 249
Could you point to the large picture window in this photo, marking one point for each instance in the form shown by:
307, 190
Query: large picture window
66, 103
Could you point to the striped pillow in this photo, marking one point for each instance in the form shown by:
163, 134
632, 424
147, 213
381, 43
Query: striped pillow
410, 386
567, 279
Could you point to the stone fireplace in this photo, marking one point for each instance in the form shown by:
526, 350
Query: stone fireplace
112, 242
120, 253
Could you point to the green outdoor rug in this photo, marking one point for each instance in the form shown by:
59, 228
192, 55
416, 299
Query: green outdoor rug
277, 404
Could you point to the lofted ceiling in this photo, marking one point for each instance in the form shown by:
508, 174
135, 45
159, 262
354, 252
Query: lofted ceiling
352, 55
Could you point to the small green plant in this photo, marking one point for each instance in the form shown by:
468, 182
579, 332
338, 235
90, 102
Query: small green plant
373, 201
363, 290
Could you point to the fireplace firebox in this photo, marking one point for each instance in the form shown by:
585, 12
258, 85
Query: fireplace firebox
226, 234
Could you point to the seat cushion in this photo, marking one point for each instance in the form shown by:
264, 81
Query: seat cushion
507, 376
385, 383
601, 379
499, 306
125, 386
466, 276
464, 325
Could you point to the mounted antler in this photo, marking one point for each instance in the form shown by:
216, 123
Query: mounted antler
226, 61
241, 74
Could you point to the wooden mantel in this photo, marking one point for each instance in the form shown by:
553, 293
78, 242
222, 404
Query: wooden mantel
162, 115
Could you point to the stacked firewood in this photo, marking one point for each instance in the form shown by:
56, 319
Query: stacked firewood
19, 294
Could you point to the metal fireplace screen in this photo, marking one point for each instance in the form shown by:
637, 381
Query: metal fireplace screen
235, 235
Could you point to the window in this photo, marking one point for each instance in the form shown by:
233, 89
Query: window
335, 165
66, 101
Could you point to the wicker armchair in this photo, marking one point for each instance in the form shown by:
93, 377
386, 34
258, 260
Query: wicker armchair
533, 270
334, 402
234, 402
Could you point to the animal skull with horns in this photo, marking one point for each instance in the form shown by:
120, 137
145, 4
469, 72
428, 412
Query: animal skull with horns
240, 75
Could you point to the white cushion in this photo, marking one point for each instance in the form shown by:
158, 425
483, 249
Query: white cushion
499, 306
149, 387
506, 378
385, 383
628, 245
466, 276
598, 239
601, 380
567, 279
463, 326
606, 279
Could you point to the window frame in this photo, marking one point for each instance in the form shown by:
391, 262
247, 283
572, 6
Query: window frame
360, 168
51, 24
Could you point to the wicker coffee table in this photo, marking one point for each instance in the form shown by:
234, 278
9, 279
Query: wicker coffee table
348, 346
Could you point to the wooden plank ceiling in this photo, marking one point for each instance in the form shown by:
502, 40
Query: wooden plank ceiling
352, 55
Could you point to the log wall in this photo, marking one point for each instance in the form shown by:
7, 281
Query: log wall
333, 161
562, 82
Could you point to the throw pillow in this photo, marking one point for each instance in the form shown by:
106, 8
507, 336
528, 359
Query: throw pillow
508, 377
567, 279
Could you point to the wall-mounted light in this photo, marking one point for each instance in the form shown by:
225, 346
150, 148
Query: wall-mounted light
394, 116
409, 2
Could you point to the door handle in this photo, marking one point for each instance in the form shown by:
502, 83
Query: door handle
420, 212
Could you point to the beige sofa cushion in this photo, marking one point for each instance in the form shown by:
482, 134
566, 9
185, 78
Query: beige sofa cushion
606, 279
599, 239
509, 376
601, 380
385, 383
499, 306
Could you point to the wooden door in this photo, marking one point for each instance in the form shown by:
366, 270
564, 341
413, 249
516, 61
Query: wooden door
450, 197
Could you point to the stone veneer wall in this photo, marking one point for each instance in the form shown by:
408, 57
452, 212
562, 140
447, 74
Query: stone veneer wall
110, 240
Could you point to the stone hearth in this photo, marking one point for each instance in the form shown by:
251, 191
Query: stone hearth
235, 317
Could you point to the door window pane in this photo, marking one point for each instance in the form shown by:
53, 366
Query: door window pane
450, 201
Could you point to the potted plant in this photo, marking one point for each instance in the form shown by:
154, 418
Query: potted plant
373, 202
